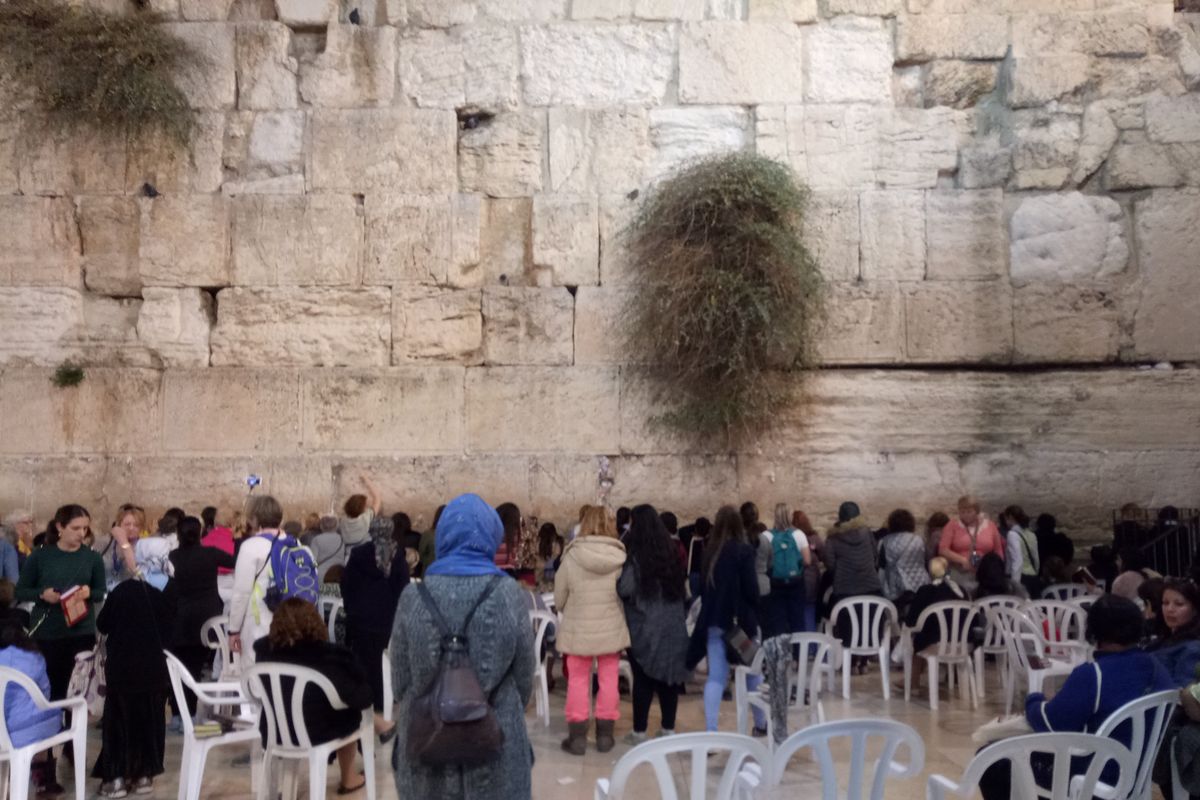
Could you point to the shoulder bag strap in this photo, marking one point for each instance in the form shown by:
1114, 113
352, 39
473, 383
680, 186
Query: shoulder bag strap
270, 553
439, 621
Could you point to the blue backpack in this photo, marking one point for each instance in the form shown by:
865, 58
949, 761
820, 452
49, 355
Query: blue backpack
787, 567
293, 572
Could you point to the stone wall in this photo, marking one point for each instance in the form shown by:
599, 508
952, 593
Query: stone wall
396, 245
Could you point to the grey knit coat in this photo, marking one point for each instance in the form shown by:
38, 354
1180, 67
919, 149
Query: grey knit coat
500, 642
657, 628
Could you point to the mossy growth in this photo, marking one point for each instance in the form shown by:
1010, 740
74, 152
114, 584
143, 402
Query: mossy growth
85, 68
730, 298
67, 374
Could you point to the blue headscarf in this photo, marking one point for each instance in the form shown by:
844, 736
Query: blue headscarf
468, 534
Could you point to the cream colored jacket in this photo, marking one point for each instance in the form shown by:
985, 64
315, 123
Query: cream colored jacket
585, 594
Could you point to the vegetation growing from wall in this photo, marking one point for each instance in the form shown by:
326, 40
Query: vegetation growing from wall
67, 374
87, 68
730, 298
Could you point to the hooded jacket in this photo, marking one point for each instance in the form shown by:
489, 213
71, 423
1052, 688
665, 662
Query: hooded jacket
585, 593
849, 552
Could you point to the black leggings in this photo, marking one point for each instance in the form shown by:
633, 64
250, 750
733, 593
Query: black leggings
194, 657
60, 660
644, 689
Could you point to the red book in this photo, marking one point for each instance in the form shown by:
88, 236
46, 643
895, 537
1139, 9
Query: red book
74, 605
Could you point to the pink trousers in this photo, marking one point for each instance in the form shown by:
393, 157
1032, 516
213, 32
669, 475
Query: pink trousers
579, 687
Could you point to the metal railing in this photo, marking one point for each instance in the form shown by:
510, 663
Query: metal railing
1169, 537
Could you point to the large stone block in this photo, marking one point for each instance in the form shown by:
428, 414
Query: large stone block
849, 60
522, 10
957, 84
893, 235
924, 37
209, 81
668, 10
184, 241
966, 235
1117, 32
866, 8
953, 322
39, 242
595, 65
414, 239
37, 324
1038, 80
986, 165
1173, 119
66, 163
266, 72
356, 69
682, 135
397, 410
476, 66
264, 152
686, 485
1045, 146
785, 10
303, 327
832, 233
1057, 325
528, 326
503, 158
107, 335
740, 63
1096, 141
174, 324
108, 229
864, 324
917, 145
601, 9
1067, 238
397, 150
315, 240
542, 409
434, 324
506, 241
172, 169
36, 482
305, 13
1165, 325
599, 324
605, 150
566, 239
616, 214
232, 411
1141, 165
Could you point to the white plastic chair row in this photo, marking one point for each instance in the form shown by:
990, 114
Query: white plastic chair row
872, 621
330, 607
214, 633
542, 620
953, 620
1028, 653
804, 679
1064, 591
1063, 624
993, 643
16, 762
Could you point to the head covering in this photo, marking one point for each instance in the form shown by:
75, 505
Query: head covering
153, 555
468, 534
848, 511
382, 533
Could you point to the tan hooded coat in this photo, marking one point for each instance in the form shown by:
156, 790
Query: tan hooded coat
585, 593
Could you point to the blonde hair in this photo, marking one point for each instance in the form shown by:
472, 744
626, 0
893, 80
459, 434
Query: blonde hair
597, 521
138, 514
968, 501
938, 567
783, 517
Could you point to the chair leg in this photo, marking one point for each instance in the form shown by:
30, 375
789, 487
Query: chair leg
265, 787
979, 664
908, 665
846, 660
18, 774
318, 775
368, 748
885, 666
79, 748
931, 666
195, 772
290, 778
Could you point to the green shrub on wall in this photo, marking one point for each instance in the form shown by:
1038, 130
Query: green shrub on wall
730, 294
88, 68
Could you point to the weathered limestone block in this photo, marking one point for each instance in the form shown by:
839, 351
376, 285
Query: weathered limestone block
108, 229
601, 9
211, 81
958, 321
184, 241
916, 145
566, 239
985, 166
864, 324
434, 324
441, 13
266, 73
541, 409
616, 213
772, 132
528, 326
834, 147
398, 150
264, 152
476, 66
39, 243
1166, 325
413, 239
1117, 32
595, 65
1141, 165
786, 10
506, 241
305, 13
957, 84
893, 235
599, 324
866, 8
1044, 150
356, 69
832, 232
680, 135
232, 411
1132, 78
276, 141
280, 240
924, 37
174, 324
170, 169
1173, 120
108, 334
37, 324
396, 410
1095, 143
669, 10
294, 326
1037, 80
741, 63
606, 150
907, 89
10, 133
503, 158
848, 60
283, 184
1067, 238
522, 10
686, 483
36, 480
205, 10
1056, 324
61, 163
966, 235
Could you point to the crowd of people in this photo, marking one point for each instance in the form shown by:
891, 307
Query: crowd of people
622, 584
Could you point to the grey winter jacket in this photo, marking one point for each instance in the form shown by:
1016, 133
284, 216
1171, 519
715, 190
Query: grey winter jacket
657, 628
850, 552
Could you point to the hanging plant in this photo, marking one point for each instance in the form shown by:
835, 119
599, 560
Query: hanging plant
730, 296
88, 68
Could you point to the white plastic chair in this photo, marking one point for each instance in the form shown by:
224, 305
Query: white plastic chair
195, 749
389, 693
860, 732
698, 745
871, 620
291, 742
330, 607
1063, 624
804, 678
1064, 591
1147, 720
16, 762
1062, 747
1026, 649
542, 620
1084, 601
954, 619
214, 634
993, 640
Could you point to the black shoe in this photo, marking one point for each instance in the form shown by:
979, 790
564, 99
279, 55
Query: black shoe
758, 732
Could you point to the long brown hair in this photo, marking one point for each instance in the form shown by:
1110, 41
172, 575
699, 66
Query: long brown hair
727, 528
297, 621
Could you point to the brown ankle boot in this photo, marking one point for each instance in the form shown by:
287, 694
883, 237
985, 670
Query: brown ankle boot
604, 735
576, 741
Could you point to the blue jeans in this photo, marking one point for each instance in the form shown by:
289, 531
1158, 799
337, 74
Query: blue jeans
718, 678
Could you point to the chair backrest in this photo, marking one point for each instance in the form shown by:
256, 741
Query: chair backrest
281, 704
542, 620
991, 634
698, 745
1061, 747
1063, 591
859, 732
871, 620
815, 653
1084, 601
17, 681
1146, 719
180, 678
330, 607
1061, 621
214, 633
954, 619
1022, 635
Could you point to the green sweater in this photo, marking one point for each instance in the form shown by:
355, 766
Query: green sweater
52, 568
